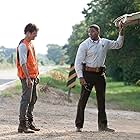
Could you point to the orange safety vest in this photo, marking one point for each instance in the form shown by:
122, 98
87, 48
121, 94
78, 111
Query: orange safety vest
31, 63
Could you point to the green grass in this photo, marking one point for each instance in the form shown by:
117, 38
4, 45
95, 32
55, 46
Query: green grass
53, 83
127, 97
117, 94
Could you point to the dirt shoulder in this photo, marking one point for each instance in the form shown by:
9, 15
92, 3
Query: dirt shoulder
55, 116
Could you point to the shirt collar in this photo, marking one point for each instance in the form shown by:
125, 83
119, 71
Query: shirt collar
97, 41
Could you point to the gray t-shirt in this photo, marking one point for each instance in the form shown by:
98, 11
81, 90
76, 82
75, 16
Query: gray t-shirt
22, 54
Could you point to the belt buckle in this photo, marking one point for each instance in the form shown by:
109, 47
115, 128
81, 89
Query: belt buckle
97, 70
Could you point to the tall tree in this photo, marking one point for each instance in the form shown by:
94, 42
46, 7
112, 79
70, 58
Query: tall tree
55, 53
103, 13
78, 35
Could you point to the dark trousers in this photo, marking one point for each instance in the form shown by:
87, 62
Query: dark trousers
99, 82
28, 99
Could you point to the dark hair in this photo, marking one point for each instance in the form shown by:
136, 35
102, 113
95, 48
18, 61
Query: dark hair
30, 28
95, 26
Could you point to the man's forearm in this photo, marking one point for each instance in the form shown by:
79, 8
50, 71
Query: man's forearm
121, 32
25, 70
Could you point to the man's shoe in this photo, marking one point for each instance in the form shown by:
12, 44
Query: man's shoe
107, 130
25, 131
33, 127
78, 129
23, 128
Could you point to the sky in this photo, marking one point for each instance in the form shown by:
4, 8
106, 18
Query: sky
54, 18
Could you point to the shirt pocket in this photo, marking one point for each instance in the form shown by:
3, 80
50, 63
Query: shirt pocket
91, 51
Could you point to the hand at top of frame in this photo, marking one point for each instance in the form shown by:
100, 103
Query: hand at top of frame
121, 28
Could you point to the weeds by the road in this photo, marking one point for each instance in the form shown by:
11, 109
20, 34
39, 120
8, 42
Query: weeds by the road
11, 91
118, 95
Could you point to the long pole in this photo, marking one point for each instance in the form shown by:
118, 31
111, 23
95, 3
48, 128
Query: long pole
69, 92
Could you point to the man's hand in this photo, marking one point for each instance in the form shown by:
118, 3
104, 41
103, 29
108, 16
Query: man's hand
82, 81
29, 82
37, 80
121, 28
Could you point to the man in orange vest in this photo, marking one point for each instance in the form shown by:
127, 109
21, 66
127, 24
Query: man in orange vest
27, 70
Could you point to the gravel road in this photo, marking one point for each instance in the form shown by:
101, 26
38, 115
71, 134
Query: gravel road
55, 116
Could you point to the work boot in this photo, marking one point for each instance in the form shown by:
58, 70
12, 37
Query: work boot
23, 128
78, 129
107, 129
32, 125
103, 127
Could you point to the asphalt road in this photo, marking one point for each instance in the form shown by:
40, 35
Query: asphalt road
4, 81
7, 77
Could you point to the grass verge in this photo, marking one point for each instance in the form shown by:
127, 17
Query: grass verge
11, 91
118, 95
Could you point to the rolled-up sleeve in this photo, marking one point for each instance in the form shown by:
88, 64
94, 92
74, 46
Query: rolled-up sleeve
80, 57
111, 44
22, 54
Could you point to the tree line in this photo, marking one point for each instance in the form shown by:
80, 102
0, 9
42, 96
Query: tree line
54, 55
7, 55
123, 64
